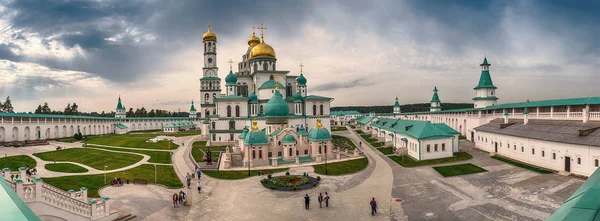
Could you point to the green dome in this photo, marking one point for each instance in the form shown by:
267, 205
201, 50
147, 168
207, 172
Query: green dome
256, 136
244, 133
230, 79
319, 133
301, 80
253, 98
302, 131
298, 97
289, 138
276, 106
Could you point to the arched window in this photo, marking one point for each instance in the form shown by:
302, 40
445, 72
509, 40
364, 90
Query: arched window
279, 143
265, 66
297, 152
259, 154
210, 85
261, 109
554, 156
314, 109
596, 162
279, 153
207, 113
232, 125
270, 154
319, 149
213, 125
255, 66
290, 152
578, 160
214, 111
214, 96
306, 152
321, 110
271, 78
237, 111
289, 89
228, 111
253, 154
325, 148
206, 98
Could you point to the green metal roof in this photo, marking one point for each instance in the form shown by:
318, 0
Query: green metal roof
275, 133
343, 113
396, 104
121, 126
435, 97
270, 85
253, 98
244, 133
179, 124
119, 105
485, 62
583, 205
485, 80
230, 79
298, 97
446, 128
547, 103
486, 98
289, 138
192, 109
12, 206
301, 80
412, 128
210, 78
276, 106
256, 137
364, 120
319, 134
315, 97
302, 131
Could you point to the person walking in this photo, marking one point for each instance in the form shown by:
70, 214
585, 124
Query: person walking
306, 202
320, 199
175, 198
373, 207
326, 200
360, 143
181, 197
198, 172
198, 185
188, 179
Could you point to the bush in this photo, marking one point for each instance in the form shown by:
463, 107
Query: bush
272, 187
264, 180
294, 188
314, 184
287, 173
318, 177
269, 176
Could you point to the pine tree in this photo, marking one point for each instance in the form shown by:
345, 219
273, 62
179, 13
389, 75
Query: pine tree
74, 109
68, 110
130, 113
7, 107
46, 109
38, 110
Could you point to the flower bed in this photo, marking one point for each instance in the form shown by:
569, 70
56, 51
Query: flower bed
290, 182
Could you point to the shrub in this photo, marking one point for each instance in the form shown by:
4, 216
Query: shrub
272, 187
318, 177
294, 188
264, 180
269, 176
314, 184
287, 173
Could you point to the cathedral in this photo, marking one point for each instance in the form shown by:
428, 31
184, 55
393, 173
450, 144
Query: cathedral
261, 106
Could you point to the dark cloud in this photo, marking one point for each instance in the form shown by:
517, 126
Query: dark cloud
332, 86
7, 54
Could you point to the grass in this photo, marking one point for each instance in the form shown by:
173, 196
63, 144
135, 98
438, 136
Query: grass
339, 129
386, 150
201, 145
167, 177
130, 140
460, 169
14, 162
522, 165
236, 175
94, 158
360, 132
342, 168
409, 162
352, 126
65, 168
342, 142
155, 156
184, 133
461, 137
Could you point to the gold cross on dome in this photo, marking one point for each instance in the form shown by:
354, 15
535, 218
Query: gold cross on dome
208, 23
301, 65
253, 30
276, 82
262, 30
230, 64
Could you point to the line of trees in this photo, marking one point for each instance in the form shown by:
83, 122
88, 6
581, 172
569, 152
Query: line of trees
7, 106
420, 107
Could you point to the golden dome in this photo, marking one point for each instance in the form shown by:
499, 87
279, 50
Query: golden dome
262, 49
209, 35
253, 40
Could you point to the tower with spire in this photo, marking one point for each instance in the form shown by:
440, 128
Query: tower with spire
485, 92
120, 111
396, 107
435, 101
210, 83
193, 112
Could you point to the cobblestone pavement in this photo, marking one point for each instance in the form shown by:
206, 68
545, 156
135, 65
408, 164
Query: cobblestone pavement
505, 192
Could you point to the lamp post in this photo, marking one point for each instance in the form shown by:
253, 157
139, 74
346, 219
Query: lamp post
248, 159
323, 144
105, 174
155, 174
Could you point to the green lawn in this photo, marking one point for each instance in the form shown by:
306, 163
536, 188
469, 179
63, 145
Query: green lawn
352, 126
130, 140
386, 150
409, 162
236, 175
342, 142
339, 129
65, 168
184, 133
342, 168
359, 132
460, 169
155, 156
166, 176
14, 162
91, 157
522, 165
198, 155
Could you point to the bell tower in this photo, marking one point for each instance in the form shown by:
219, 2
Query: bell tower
210, 83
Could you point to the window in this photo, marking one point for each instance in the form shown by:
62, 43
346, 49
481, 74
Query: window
500, 144
228, 111
270, 154
596, 162
279, 143
428, 148
554, 156
508, 145
289, 89
253, 154
435, 147
279, 153
237, 111
314, 109
578, 160
213, 125
261, 109
543, 154
321, 110
206, 98
259, 154
319, 149
306, 152
290, 152
214, 95
443, 147
232, 125
522, 149
297, 152
214, 137
532, 151
325, 146
515, 147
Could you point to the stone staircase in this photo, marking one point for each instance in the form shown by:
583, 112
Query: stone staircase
49, 202
124, 216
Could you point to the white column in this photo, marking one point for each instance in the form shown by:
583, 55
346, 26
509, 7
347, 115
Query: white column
551, 111
568, 111
106, 205
84, 193
38, 189
19, 187
537, 112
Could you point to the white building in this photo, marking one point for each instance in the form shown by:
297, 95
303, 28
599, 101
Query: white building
342, 118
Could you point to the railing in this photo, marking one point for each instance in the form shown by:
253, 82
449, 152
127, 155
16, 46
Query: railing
60, 200
594, 115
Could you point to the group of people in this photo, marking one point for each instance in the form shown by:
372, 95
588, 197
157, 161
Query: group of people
29, 171
180, 198
117, 181
320, 198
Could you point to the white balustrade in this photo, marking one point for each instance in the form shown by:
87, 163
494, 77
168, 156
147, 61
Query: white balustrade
61, 199
594, 115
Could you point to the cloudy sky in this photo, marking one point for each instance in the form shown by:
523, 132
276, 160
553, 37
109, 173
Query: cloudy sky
358, 52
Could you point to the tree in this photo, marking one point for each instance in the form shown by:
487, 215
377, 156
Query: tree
74, 109
46, 109
38, 110
7, 107
130, 113
68, 110
1, 107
